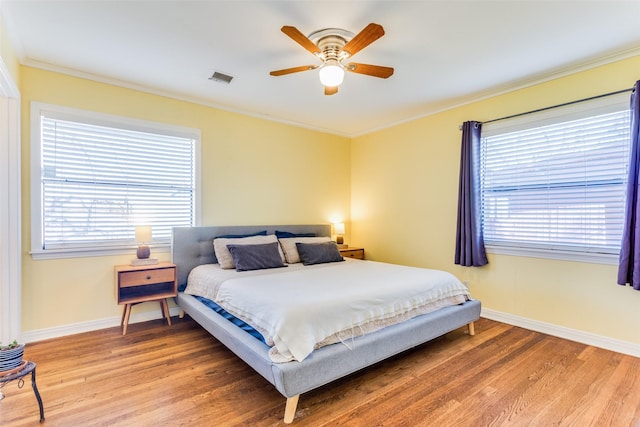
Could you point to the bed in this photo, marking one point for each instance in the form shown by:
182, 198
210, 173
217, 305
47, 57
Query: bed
193, 247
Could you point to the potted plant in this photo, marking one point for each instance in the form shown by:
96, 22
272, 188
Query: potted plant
11, 355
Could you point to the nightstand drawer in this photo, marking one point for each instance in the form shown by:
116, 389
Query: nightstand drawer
356, 253
146, 277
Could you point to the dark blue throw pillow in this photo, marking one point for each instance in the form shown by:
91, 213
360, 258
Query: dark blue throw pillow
287, 234
318, 253
256, 257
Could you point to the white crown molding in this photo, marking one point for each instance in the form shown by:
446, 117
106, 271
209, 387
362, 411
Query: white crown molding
518, 85
587, 338
167, 94
435, 109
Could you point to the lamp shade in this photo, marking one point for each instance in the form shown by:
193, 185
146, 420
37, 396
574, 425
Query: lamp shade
331, 74
143, 233
338, 228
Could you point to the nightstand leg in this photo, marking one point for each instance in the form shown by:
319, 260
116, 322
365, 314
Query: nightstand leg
165, 310
125, 318
124, 310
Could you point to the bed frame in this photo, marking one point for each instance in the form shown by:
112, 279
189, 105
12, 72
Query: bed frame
193, 246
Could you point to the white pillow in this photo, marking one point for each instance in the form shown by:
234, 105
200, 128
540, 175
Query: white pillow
288, 246
224, 256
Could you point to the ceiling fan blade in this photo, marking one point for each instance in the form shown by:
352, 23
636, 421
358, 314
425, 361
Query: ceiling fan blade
370, 70
293, 70
330, 90
301, 39
364, 38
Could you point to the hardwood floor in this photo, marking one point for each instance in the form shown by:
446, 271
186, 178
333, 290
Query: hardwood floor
160, 375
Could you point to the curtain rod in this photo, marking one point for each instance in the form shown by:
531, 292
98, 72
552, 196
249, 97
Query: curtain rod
557, 106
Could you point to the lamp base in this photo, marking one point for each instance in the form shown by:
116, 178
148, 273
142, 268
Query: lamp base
143, 252
339, 239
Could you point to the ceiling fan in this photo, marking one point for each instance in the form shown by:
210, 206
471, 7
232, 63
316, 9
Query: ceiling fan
333, 46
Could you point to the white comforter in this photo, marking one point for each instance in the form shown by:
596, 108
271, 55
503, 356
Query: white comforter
298, 309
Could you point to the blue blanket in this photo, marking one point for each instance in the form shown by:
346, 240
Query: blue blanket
222, 312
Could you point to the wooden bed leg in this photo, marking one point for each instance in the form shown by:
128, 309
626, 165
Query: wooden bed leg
181, 314
290, 409
471, 328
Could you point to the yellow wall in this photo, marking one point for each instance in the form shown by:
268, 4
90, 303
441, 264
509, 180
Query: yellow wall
404, 184
401, 201
253, 172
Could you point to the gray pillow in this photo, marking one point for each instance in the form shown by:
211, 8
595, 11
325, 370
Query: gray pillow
256, 257
224, 256
318, 253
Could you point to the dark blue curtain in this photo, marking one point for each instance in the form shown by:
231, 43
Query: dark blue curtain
629, 266
469, 240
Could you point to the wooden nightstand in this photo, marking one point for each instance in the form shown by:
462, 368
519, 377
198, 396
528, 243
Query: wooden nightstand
357, 253
136, 284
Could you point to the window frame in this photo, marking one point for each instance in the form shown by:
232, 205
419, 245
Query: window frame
544, 117
100, 119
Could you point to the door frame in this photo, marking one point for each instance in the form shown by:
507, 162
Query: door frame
10, 209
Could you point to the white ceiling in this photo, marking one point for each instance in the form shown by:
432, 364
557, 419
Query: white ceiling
445, 53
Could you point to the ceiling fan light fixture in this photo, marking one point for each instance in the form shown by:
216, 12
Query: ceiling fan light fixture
332, 46
331, 74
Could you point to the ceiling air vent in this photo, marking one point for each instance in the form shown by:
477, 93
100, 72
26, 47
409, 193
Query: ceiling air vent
219, 77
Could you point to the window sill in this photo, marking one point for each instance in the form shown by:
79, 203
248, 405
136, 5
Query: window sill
94, 251
556, 254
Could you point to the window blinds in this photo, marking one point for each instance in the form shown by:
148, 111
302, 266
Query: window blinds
558, 186
99, 182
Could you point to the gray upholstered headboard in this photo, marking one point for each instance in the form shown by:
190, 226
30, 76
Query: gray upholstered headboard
193, 246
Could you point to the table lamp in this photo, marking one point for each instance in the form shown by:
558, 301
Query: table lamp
143, 237
338, 230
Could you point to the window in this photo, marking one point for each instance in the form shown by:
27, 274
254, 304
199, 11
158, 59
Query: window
553, 183
95, 177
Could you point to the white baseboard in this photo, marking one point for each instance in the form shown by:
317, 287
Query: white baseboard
93, 325
595, 340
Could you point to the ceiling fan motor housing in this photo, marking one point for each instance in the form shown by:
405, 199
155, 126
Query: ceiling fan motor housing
331, 47
331, 41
